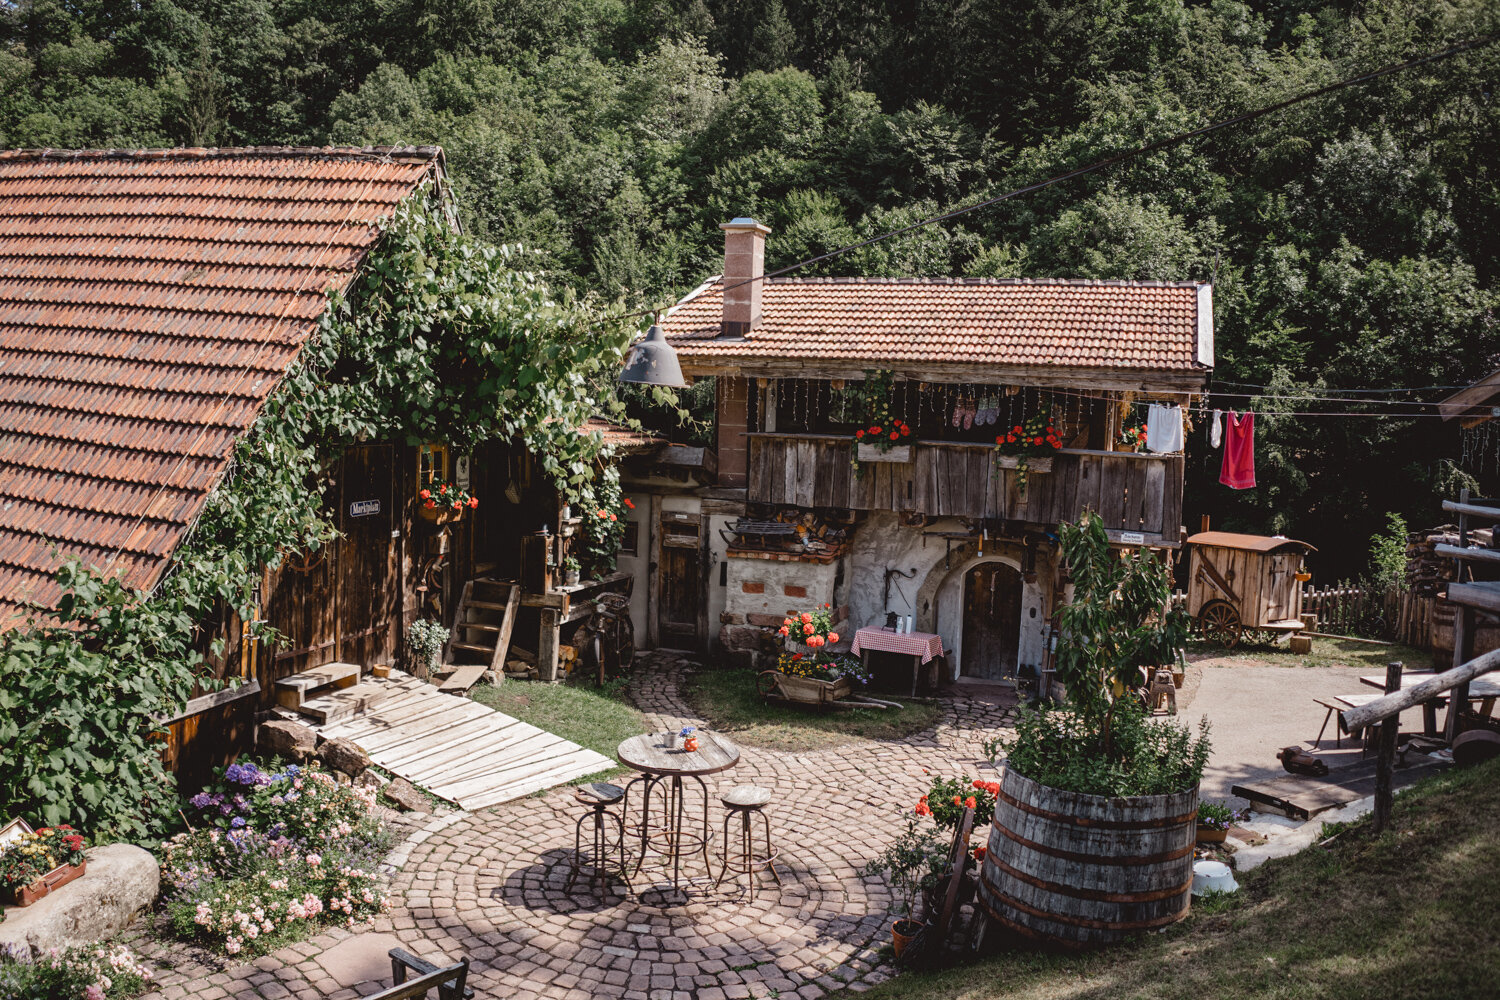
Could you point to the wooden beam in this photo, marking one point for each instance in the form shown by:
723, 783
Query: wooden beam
1041, 376
203, 703
1393, 704
1485, 595
1474, 510
1471, 553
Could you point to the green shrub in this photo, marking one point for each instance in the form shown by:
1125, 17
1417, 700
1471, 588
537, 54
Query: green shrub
1123, 752
95, 972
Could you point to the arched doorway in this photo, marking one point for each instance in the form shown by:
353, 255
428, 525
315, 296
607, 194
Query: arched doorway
992, 621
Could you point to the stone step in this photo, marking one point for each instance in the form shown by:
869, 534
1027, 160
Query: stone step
347, 702
293, 691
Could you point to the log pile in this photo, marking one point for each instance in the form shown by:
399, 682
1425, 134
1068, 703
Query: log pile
1426, 571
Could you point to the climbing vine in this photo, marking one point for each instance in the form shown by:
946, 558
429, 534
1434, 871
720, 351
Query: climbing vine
442, 337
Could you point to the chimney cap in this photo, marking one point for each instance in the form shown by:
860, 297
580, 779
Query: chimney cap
744, 223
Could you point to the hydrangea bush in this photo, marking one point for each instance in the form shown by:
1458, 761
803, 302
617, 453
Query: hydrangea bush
273, 854
95, 972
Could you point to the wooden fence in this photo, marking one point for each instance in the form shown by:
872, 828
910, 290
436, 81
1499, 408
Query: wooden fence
1394, 614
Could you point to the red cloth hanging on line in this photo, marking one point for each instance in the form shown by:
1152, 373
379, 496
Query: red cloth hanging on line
1238, 470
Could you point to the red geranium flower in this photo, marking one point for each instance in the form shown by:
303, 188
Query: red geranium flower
613, 518
905, 429
425, 494
895, 436
859, 434
473, 501
429, 504
1036, 441
957, 801
807, 630
782, 631
980, 852
629, 504
874, 430
969, 802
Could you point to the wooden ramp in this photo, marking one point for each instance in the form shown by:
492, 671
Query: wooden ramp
1304, 796
460, 750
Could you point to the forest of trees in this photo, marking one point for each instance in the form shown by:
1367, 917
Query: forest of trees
1346, 237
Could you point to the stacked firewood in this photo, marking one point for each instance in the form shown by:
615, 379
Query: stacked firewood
1426, 571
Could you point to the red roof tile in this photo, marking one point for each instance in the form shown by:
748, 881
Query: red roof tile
1129, 326
149, 302
620, 437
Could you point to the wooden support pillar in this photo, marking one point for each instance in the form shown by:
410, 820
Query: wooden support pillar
1385, 764
546, 645
1463, 652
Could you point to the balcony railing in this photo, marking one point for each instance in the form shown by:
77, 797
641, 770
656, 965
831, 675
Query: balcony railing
1136, 494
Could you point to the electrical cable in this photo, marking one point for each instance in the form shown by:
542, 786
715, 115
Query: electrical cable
1151, 147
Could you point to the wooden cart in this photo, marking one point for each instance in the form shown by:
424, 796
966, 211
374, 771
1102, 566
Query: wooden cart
1238, 582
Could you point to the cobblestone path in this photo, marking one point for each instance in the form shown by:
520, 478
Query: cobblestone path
489, 885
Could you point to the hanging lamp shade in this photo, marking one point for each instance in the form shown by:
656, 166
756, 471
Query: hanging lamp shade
652, 361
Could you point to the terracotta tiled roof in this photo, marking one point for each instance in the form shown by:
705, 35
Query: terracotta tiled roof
149, 302
1134, 326
620, 437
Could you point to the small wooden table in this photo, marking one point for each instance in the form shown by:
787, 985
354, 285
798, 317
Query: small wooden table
657, 761
1481, 689
920, 646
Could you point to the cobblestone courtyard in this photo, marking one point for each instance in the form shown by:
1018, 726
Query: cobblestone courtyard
490, 886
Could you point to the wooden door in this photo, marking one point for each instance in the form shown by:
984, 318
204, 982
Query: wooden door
368, 573
1281, 582
992, 621
680, 576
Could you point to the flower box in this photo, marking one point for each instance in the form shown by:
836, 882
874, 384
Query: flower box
811, 690
25, 895
1210, 835
440, 515
870, 453
1034, 463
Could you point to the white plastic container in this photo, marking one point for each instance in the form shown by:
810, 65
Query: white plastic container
1213, 876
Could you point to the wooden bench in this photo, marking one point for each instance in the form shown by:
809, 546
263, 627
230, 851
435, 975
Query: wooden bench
450, 981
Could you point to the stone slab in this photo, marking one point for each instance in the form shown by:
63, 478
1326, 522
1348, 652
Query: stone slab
121, 881
363, 958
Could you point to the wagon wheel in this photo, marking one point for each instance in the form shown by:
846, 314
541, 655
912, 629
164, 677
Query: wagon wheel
1219, 622
765, 683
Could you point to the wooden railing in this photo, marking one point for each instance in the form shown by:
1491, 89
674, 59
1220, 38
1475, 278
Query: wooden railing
1136, 494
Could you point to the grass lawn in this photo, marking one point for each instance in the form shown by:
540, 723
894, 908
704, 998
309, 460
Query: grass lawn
596, 718
1406, 914
1325, 653
729, 702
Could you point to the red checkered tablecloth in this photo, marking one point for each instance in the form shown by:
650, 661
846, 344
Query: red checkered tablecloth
923, 644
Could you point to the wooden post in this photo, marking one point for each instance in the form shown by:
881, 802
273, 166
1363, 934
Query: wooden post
1385, 765
1463, 652
546, 645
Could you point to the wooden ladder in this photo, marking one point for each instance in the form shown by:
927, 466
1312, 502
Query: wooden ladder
481, 602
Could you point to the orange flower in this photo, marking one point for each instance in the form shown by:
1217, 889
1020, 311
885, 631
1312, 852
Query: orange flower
788, 621
827, 605
429, 505
425, 494
905, 429
969, 802
923, 809
895, 436
629, 504
957, 801
859, 433
978, 783
807, 630
833, 637
993, 788
603, 513
458, 505
613, 518
473, 501
782, 631
806, 617
443, 488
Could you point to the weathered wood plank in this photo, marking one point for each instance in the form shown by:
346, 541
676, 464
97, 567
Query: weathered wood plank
1151, 509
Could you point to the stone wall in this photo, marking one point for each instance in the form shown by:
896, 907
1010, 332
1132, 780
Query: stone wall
761, 592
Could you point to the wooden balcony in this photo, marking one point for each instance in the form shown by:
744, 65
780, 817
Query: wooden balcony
1136, 494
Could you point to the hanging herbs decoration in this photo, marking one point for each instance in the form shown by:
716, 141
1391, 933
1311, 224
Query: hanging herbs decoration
1033, 438
879, 428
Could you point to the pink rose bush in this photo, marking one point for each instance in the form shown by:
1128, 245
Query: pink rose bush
94, 972
271, 857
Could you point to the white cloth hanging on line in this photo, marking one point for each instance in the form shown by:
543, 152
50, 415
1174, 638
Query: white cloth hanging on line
1163, 429
1215, 429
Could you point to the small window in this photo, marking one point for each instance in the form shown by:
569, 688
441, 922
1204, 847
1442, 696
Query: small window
631, 546
433, 464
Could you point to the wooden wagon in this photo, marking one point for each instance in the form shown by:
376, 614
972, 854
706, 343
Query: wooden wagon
1239, 582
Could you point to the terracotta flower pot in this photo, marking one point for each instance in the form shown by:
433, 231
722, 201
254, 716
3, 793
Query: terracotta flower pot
1208, 835
25, 895
902, 932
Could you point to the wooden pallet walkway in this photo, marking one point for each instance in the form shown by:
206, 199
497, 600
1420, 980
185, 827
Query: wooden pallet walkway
460, 750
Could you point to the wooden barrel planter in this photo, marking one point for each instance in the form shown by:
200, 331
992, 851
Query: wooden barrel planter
1076, 871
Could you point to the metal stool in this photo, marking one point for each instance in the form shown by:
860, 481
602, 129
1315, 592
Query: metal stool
746, 801
607, 856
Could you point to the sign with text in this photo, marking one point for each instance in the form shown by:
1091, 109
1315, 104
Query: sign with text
1132, 538
364, 508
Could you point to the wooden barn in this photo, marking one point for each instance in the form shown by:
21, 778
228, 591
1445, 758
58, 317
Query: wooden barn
944, 526
150, 302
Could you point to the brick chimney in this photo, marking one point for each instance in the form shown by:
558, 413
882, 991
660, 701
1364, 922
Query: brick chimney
744, 257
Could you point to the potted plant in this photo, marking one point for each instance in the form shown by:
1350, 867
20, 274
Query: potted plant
426, 638
1214, 821
909, 865
1028, 447
882, 436
442, 502
808, 671
1097, 780
34, 864
571, 570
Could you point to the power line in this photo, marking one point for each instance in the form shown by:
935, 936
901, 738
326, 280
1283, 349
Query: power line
1097, 165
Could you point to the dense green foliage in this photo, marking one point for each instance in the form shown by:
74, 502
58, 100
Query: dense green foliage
443, 339
1350, 238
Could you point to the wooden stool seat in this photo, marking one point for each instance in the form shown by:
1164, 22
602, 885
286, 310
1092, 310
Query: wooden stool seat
746, 797
598, 793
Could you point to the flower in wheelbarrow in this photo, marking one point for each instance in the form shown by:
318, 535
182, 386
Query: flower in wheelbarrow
806, 617
783, 630
807, 630
833, 637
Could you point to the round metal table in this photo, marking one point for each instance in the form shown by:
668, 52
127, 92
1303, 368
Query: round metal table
664, 766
